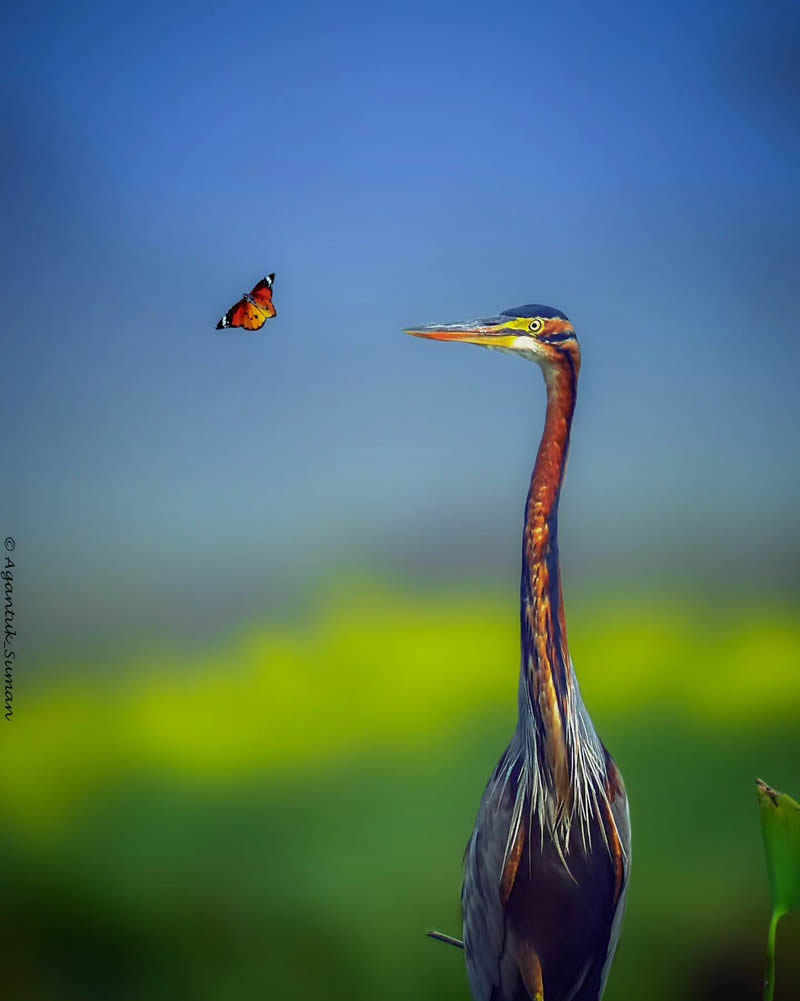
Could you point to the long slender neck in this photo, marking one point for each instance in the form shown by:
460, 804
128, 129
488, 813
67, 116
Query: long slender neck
546, 667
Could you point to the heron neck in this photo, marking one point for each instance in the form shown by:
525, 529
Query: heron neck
546, 665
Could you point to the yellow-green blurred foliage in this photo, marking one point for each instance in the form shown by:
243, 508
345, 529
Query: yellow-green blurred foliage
284, 816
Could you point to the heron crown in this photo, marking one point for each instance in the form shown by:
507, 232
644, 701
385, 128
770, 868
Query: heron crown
531, 310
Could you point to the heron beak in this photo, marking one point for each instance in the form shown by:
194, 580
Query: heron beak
492, 332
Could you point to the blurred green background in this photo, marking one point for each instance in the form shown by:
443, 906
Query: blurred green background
284, 815
266, 585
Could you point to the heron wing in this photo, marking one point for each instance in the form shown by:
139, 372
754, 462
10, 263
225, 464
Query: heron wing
491, 863
620, 814
618, 833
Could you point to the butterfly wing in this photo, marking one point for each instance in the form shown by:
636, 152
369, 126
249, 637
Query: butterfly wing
262, 294
233, 318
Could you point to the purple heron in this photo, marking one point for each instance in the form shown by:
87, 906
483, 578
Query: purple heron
547, 865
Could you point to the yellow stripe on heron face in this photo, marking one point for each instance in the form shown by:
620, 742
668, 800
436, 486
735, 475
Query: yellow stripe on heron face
522, 323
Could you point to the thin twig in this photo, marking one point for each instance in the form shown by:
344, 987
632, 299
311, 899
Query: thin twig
447, 939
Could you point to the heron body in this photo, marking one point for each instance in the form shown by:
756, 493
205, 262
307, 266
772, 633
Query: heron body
548, 860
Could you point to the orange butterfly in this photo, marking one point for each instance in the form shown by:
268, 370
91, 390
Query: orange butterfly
254, 308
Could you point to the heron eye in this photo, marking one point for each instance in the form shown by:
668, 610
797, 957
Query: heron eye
536, 326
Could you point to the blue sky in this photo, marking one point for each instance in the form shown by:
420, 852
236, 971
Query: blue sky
634, 165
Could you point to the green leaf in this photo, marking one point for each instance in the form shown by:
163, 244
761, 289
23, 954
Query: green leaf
780, 825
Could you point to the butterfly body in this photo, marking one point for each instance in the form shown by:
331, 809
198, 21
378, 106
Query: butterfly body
254, 308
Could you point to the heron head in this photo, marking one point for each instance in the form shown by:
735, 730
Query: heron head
538, 333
